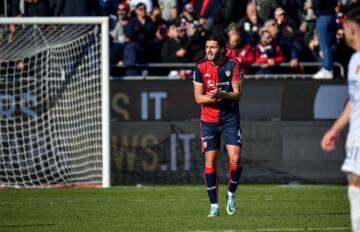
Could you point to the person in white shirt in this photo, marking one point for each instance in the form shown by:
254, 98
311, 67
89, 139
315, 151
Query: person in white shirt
351, 116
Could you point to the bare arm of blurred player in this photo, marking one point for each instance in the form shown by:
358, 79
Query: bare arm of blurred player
328, 141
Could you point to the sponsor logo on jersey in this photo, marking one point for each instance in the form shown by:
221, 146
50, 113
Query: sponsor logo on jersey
207, 137
223, 84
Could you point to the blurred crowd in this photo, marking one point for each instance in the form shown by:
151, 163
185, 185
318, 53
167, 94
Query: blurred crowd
262, 32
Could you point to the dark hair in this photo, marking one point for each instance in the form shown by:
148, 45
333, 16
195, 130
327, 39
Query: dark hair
218, 38
353, 13
140, 4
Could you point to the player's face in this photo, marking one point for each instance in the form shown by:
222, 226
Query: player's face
213, 50
349, 31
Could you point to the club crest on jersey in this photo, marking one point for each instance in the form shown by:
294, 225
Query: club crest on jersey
227, 73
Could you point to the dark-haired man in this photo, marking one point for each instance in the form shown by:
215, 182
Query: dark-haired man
351, 116
217, 88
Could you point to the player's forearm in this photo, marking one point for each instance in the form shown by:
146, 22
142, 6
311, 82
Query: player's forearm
204, 99
343, 120
231, 96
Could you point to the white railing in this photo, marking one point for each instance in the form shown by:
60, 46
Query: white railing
146, 66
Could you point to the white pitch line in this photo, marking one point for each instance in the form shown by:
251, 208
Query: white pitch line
271, 230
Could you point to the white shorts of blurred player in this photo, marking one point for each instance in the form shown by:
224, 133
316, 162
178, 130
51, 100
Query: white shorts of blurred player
352, 165
352, 161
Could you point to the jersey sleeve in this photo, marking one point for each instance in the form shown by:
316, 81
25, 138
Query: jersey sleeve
197, 76
237, 74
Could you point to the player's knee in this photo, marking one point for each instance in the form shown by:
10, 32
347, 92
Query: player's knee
210, 161
235, 165
354, 180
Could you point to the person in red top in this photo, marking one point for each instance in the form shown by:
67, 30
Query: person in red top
217, 88
268, 53
238, 48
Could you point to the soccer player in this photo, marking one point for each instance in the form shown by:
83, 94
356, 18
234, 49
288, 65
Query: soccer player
351, 116
217, 88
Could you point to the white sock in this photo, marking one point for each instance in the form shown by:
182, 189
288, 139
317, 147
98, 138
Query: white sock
354, 198
216, 205
230, 194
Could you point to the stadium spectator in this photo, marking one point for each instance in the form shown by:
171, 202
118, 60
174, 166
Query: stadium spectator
350, 116
217, 88
194, 32
285, 43
294, 11
118, 38
11, 31
148, 5
155, 16
36, 8
314, 47
286, 37
168, 9
107, 7
210, 15
348, 3
140, 31
13, 8
172, 49
234, 10
187, 19
238, 48
340, 47
3, 12
268, 53
285, 25
157, 44
325, 25
266, 8
75, 8
308, 22
251, 23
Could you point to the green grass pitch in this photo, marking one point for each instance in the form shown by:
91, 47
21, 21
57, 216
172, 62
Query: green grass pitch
260, 208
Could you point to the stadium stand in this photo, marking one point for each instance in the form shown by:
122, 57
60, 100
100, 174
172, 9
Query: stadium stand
290, 23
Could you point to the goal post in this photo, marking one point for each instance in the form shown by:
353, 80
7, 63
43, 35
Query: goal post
54, 102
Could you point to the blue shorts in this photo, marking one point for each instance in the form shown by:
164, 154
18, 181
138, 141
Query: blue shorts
211, 136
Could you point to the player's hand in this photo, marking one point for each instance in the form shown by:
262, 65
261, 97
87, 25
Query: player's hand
271, 62
181, 52
213, 93
294, 63
328, 141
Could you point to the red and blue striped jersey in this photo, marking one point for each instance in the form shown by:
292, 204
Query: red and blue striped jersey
222, 112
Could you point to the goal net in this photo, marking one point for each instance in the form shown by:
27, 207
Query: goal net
54, 102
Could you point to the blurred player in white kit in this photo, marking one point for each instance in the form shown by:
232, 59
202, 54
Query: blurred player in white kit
351, 116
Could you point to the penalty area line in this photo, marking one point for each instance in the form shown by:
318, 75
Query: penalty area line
273, 230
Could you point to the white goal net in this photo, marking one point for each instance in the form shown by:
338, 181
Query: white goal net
54, 102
